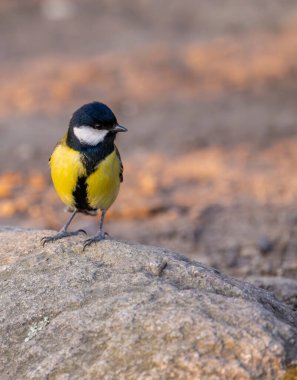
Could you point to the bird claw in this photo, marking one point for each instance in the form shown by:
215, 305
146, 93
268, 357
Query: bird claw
60, 235
94, 239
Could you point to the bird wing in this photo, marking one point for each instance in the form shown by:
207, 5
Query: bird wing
122, 167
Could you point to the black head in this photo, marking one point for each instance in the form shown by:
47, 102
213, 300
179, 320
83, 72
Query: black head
91, 124
96, 115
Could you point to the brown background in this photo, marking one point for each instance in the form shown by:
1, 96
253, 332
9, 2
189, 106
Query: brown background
208, 92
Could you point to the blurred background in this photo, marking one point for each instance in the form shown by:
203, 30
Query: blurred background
208, 91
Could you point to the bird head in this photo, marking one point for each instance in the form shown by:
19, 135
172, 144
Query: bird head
92, 123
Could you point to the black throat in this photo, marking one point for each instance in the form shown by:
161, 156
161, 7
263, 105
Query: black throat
91, 155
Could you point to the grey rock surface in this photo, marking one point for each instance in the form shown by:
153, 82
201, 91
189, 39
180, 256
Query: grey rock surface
284, 289
125, 311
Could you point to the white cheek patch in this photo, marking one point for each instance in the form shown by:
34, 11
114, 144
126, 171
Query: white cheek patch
88, 135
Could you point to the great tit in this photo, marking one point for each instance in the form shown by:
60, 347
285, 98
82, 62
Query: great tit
86, 166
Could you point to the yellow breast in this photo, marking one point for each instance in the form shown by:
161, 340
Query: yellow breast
66, 167
102, 185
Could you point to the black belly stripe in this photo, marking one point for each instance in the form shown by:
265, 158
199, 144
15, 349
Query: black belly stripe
80, 194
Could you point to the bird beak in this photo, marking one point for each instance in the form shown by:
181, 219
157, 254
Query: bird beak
119, 128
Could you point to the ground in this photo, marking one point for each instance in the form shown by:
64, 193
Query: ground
208, 93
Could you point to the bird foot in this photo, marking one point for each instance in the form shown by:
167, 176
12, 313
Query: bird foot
94, 239
61, 235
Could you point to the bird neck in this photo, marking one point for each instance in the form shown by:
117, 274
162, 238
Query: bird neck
91, 155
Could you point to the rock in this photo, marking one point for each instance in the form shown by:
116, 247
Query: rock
284, 289
124, 311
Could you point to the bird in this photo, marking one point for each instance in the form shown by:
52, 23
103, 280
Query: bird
86, 167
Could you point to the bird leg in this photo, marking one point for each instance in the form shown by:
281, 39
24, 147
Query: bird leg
63, 232
100, 234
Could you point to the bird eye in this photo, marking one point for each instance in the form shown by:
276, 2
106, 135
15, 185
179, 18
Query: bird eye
98, 126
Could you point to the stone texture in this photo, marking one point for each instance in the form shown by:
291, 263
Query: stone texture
125, 311
284, 289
